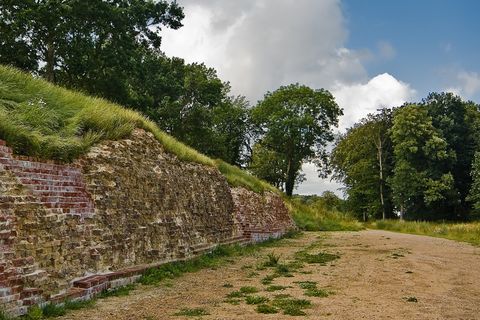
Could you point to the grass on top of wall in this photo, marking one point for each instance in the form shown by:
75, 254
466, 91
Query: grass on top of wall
466, 232
42, 120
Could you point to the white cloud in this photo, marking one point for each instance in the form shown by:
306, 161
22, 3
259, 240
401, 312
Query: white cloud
259, 45
466, 84
358, 100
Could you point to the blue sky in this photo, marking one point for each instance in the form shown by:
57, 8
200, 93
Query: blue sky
368, 53
432, 40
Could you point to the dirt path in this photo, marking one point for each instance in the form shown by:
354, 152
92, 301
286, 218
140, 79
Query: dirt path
375, 275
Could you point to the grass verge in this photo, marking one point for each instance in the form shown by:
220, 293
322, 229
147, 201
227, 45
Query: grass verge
316, 218
466, 232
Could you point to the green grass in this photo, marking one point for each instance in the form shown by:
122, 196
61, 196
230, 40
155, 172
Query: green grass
307, 284
266, 309
196, 312
317, 218
256, 299
466, 232
315, 292
42, 120
320, 258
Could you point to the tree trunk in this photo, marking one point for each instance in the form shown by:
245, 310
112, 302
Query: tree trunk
290, 183
379, 145
402, 212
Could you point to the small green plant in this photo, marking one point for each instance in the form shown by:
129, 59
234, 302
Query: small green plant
282, 269
255, 299
275, 288
34, 313
196, 312
282, 296
266, 309
268, 279
51, 310
411, 299
307, 284
4, 315
315, 292
272, 260
227, 285
248, 290
235, 294
293, 311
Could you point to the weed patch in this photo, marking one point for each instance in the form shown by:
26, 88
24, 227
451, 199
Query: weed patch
196, 312
266, 309
255, 299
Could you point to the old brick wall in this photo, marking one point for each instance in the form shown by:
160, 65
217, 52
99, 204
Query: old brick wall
71, 231
261, 216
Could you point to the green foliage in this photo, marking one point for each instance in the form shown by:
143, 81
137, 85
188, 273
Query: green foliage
320, 258
361, 160
272, 260
51, 38
292, 306
42, 120
195, 312
266, 309
255, 299
474, 193
34, 313
314, 217
295, 123
315, 292
4, 315
248, 290
307, 284
467, 232
53, 310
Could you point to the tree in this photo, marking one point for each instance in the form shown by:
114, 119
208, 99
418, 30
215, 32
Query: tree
421, 185
474, 194
91, 45
296, 123
362, 160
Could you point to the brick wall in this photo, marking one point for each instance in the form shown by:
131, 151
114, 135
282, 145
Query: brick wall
71, 231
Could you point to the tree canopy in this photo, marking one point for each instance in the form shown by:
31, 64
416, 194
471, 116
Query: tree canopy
295, 123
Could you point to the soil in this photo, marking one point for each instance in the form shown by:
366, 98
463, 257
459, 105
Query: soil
379, 275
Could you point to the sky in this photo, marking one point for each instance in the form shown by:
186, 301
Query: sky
369, 54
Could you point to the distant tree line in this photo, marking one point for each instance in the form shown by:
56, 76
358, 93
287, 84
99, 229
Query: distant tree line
111, 49
417, 161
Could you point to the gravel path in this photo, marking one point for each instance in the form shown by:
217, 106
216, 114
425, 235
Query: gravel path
378, 272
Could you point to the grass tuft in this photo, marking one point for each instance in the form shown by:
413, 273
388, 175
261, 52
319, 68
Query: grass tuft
266, 309
256, 299
196, 312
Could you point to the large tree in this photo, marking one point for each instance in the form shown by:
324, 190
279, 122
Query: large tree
94, 45
362, 160
296, 123
422, 184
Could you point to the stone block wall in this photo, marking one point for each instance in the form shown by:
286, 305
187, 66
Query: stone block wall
72, 231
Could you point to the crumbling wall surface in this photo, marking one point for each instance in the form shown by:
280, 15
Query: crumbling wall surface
261, 216
72, 231
150, 206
